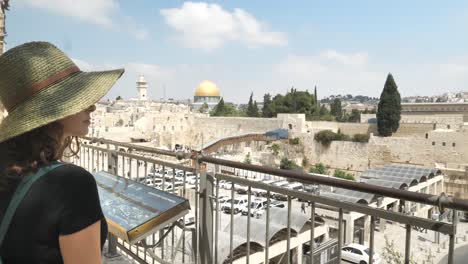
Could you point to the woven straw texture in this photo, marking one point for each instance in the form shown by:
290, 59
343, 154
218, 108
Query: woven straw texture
31, 63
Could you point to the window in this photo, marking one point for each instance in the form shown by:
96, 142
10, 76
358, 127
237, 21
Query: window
433, 143
443, 144
427, 135
453, 144
448, 126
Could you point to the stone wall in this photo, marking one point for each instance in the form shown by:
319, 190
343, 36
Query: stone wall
440, 147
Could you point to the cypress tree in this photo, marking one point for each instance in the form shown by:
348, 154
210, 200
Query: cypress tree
252, 109
389, 110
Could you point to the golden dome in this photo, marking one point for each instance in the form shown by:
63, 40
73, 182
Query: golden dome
207, 88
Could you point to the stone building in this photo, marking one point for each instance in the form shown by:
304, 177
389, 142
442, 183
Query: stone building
435, 108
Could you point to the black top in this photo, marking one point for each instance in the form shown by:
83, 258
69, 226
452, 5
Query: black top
61, 202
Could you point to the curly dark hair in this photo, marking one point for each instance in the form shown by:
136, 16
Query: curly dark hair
29, 151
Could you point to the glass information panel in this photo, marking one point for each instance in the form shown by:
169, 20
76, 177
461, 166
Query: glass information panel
134, 210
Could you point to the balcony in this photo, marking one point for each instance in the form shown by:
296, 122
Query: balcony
280, 231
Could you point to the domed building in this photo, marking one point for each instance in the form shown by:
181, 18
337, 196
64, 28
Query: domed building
207, 92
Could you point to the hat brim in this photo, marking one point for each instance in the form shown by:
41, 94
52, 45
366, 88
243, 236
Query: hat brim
65, 98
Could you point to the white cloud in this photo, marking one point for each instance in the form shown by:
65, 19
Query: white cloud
209, 26
335, 72
103, 13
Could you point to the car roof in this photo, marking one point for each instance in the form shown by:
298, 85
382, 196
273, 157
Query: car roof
358, 246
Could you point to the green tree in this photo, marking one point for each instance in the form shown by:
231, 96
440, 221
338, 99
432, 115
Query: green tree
305, 162
336, 110
204, 108
224, 109
219, 109
118, 98
267, 110
252, 108
355, 116
389, 109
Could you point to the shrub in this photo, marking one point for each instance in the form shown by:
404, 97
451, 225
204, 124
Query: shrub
325, 137
343, 175
305, 162
287, 164
319, 168
247, 159
363, 138
275, 148
294, 141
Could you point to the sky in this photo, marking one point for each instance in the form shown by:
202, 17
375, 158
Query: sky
342, 47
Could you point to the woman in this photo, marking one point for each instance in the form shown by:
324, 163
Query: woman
49, 102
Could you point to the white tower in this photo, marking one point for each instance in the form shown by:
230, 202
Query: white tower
142, 86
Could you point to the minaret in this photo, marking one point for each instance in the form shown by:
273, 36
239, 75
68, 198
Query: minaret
142, 86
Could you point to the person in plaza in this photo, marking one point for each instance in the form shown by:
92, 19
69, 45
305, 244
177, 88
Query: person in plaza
303, 208
49, 101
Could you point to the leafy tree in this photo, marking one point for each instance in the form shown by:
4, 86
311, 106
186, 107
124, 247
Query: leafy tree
267, 110
294, 102
118, 98
252, 109
204, 108
343, 175
336, 109
219, 109
389, 110
391, 255
224, 109
355, 116
305, 162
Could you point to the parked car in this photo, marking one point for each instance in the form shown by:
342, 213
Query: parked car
239, 203
221, 199
256, 207
359, 254
276, 203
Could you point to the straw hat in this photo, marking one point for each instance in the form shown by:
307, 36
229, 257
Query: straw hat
39, 84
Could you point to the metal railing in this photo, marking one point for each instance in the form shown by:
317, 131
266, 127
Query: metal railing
200, 243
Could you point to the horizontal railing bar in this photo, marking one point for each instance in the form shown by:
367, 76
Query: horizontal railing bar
393, 216
443, 201
132, 146
140, 158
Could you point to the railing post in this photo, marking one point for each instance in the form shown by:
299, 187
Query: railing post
111, 239
111, 246
206, 216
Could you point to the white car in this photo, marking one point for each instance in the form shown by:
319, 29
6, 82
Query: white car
239, 203
359, 254
257, 206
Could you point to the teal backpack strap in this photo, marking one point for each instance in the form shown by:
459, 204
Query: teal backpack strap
20, 193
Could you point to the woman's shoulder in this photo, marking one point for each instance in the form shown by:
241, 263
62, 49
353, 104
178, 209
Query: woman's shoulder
70, 174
